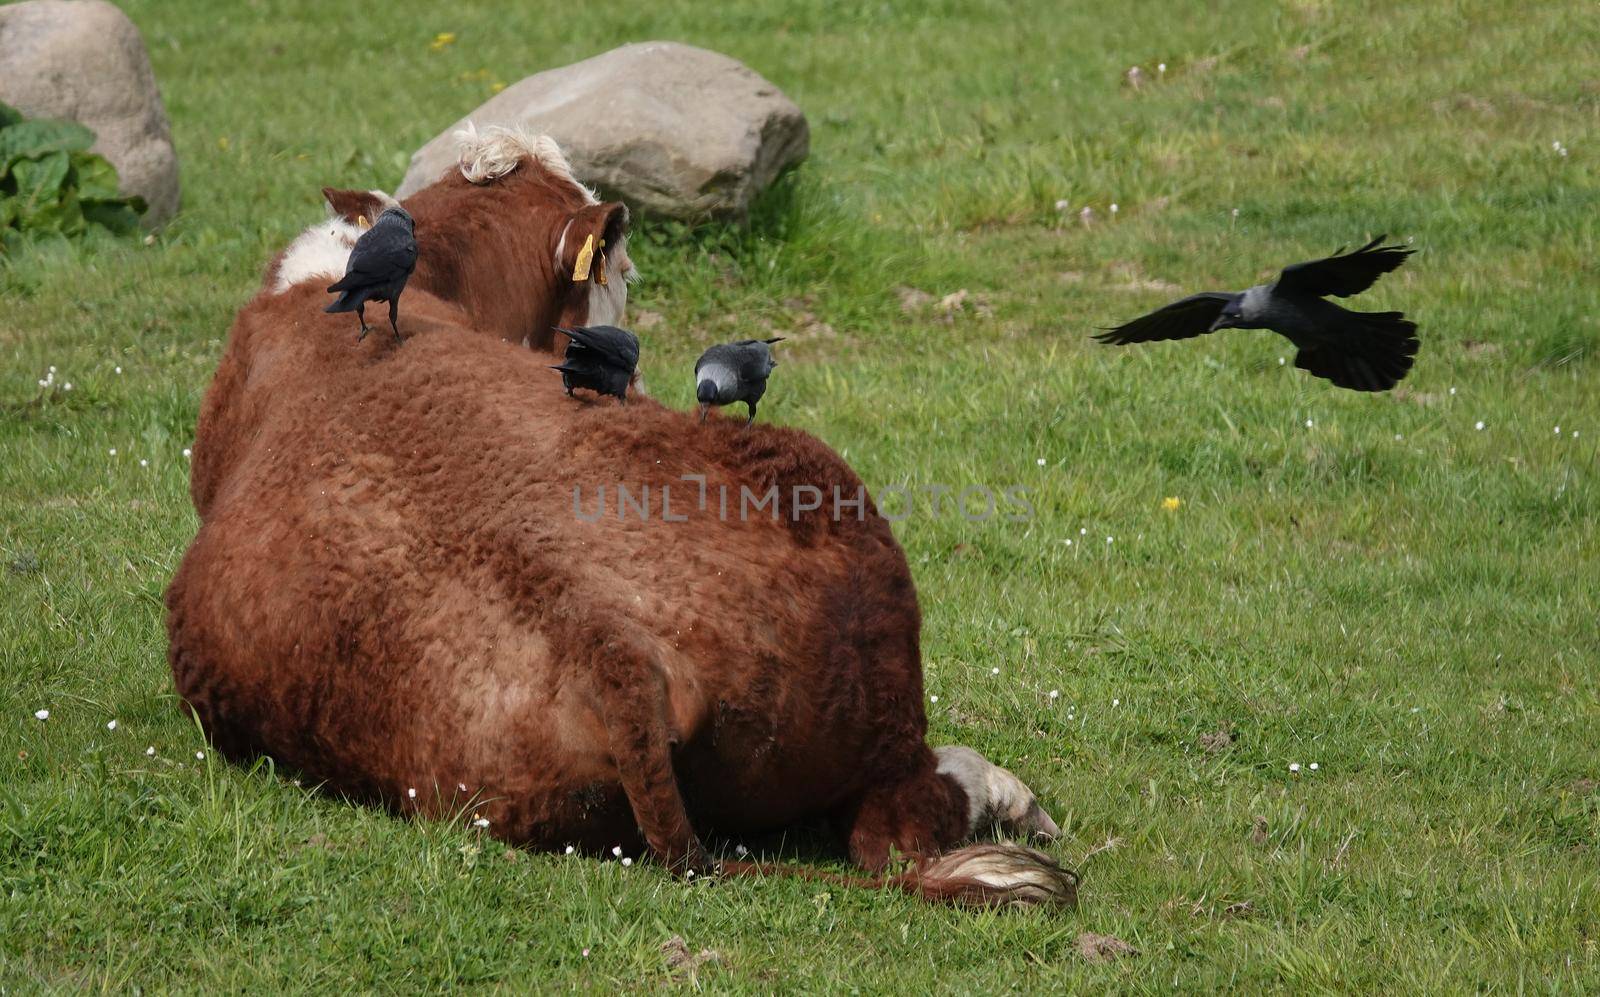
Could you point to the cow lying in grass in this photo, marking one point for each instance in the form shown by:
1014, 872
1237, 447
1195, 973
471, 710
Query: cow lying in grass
395, 590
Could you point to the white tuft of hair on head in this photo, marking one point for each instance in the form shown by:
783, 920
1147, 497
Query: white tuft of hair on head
323, 250
497, 150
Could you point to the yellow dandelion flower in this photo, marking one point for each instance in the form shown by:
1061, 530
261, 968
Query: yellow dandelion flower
223, 143
496, 87
1171, 503
442, 40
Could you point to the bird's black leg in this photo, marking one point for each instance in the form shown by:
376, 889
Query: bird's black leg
394, 313
361, 313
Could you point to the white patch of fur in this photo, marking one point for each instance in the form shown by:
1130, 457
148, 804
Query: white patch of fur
496, 151
1024, 875
323, 250
994, 795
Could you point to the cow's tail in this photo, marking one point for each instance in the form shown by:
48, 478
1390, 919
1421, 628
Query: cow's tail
986, 875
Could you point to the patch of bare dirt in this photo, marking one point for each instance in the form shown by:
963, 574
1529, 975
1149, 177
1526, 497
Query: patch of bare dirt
684, 964
913, 300
1583, 787
1258, 831
1103, 948
1216, 741
644, 319
1479, 350
1424, 398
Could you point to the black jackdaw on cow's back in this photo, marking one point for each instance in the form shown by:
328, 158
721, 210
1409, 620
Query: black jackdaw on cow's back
601, 358
380, 264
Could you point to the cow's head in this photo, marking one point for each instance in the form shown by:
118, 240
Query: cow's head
513, 239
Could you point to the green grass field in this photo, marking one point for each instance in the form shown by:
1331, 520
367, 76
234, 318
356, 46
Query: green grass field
1367, 583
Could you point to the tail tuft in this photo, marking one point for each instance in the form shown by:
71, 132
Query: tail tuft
1376, 352
993, 875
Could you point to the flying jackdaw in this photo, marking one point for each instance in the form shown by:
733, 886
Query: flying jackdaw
734, 372
380, 264
601, 358
1366, 351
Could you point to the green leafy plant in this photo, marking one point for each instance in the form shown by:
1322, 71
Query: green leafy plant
51, 183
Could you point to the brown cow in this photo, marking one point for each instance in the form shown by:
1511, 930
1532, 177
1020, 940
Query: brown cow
401, 587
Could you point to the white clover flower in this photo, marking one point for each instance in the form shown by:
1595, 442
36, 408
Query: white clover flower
934, 698
1478, 424
461, 787
1069, 541
625, 861
41, 714
1161, 67
1313, 766
1309, 423
586, 953
1452, 391
112, 451
1116, 702
740, 851
67, 386
187, 452
1236, 212
1114, 208
412, 793
150, 752
143, 462
1398, 437
480, 822
1055, 693
200, 755
994, 671
1558, 430
111, 725
1062, 205
1108, 539
117, 369
570, 849
616, 850
1083, 531
1282, 361
1041, 461
1294, 767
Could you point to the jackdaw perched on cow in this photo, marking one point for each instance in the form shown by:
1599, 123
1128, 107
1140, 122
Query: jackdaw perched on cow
601, 358
734, 372
380, 264
1364, 351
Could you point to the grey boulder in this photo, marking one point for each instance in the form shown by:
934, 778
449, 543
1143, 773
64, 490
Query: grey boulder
668, 128
84, 61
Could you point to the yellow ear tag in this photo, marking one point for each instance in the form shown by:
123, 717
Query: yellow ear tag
363, 223
580, 270
600, 274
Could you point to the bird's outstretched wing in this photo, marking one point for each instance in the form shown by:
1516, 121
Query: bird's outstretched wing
1346, 274
1183, 319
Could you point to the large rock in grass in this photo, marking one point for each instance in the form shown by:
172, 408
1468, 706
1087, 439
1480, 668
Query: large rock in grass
669, 128
83, 60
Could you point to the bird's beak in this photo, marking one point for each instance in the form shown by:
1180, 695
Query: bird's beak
703, 410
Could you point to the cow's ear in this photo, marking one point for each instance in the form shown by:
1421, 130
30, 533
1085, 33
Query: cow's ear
592, 233
356, 206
